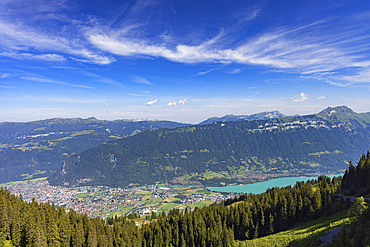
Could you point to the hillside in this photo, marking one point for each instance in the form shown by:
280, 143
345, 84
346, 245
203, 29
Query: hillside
34, 149
224, 152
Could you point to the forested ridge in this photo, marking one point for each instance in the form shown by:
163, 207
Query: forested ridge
356, 183
225, 224
39, 148
322, 143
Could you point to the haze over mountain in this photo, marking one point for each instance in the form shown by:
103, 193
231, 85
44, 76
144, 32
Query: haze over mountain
321, 143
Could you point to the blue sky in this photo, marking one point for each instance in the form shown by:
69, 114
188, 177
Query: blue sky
181, 60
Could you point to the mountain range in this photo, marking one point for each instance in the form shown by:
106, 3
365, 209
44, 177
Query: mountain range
224, 151
256, 116
39, 148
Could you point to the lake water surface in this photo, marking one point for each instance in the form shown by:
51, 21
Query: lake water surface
261, 187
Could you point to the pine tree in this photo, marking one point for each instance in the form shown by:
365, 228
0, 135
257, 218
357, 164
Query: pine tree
256, 233
182, 241
317, 202
92, 240
64, 228
271, 224
352, 176
4, 220
79, 235
16, 228
361, 173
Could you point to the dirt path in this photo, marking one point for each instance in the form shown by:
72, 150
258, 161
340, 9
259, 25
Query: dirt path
328, 237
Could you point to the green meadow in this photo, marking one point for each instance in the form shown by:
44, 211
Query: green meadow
302, 234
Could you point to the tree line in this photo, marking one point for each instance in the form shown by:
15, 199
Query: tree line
356, 180
246, 217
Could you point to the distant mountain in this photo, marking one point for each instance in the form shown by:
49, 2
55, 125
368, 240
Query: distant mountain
344, 116
34, 149
257, 116
225, 151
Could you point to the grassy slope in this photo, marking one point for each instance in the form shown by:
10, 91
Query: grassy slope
302, 234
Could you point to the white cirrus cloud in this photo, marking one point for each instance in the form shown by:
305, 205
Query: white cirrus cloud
44, 57
38, 79
306, 49
18, 37
206, 72
141, 80
5, 75
150, 103
101, 78
172, 103
321, 97
233, 71
300, 97
7, 87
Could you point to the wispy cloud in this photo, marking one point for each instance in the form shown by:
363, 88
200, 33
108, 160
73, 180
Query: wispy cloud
363, 76
150, 103
101, 78
305, 49
7, 87
233, 71
315, 47
321, 97
63, 67
134, 94
180, 102
18, 37
299, 98
140, 79
38, 79
208, 71
5, 75
30, 56
45, 57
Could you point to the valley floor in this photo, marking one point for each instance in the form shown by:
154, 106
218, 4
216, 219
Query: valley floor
101, 201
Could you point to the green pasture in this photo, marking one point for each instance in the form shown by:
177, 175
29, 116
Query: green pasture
200, 204
143, 193
37, 180
152, 201
168, 206
303, 234
84, 195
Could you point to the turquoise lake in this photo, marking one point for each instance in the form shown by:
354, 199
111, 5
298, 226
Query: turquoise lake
261, 187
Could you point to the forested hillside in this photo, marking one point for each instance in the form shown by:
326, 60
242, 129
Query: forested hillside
322, 143
356, 183
35, 149
246, 217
